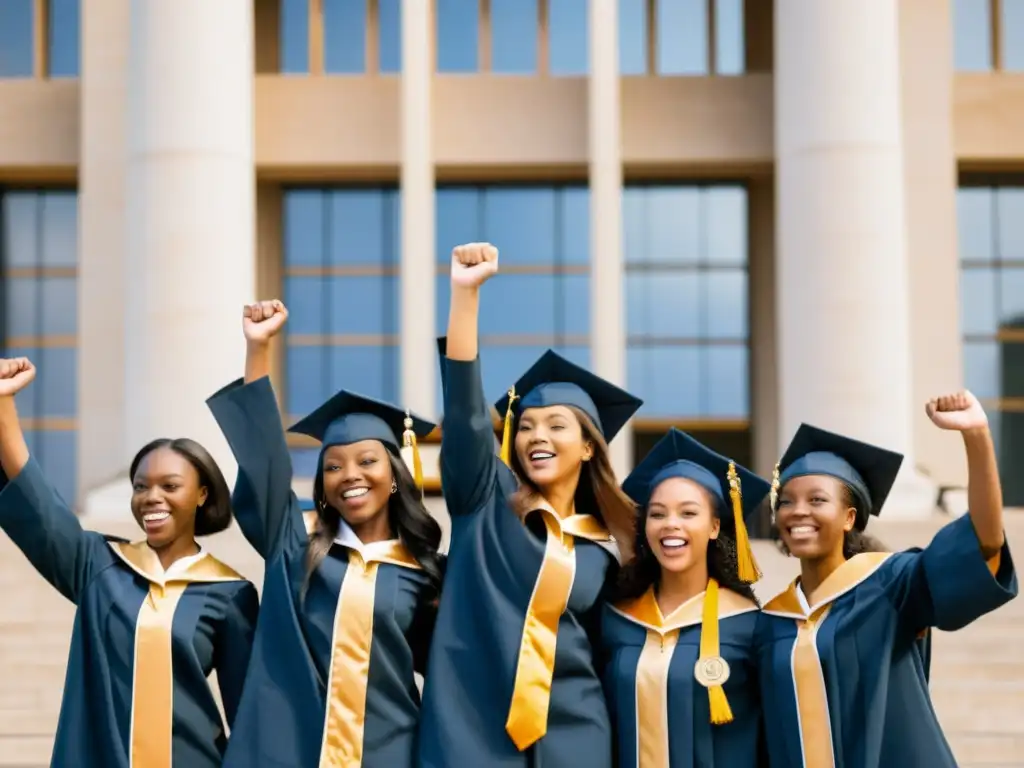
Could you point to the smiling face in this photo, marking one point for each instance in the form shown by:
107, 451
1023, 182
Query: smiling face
550, 445
680, 522
166, 492
357, 480
814, 513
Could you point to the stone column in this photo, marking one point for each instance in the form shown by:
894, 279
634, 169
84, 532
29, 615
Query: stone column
418, 366
607, 277
842, 274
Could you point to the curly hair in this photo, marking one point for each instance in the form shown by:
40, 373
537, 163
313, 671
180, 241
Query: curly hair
855, 542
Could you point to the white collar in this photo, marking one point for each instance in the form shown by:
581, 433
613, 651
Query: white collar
182, 564
347, 538
803, 600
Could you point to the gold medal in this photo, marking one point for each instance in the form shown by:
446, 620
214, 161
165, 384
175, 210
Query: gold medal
711, 670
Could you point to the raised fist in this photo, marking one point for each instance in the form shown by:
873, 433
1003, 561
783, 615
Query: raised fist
15, 374
960, 412
473, 264
262, 321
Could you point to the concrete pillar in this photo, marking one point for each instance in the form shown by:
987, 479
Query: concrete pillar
842, 275
418, 353
607, 276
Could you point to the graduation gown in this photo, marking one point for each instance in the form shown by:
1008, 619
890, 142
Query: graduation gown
494, 564
136, 690
844, 678
353, 640
660, 713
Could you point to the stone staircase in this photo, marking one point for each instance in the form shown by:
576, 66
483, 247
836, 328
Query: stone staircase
977, 674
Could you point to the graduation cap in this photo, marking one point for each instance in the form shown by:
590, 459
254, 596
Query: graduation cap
349, 418
553, 380
868, 470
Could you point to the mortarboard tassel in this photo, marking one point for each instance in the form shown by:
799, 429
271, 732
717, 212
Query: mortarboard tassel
411, 452
506, 432
748, 570
712, 670
773, 498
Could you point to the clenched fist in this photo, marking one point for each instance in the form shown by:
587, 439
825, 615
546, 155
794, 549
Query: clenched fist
262, 321
15, 374
473, 264
960, 412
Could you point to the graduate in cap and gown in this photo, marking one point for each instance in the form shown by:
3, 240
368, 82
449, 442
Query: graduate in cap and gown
511, 680
842, 663
350, 588
680, 667
154, 618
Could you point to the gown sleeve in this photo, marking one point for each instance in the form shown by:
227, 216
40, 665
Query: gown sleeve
44, 528
421, 633
234, 647
265, 507
468, 461
949, 583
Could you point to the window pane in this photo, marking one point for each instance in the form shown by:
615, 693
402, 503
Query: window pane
389, 20
982, 369
1008, 436
972, 35
58, 456
59, 211
21, 306
727, 386
20, 229
367, 370
57, 383
1013, 368
307, 384
457, 210
568, 46
362, 228
666, 378
304, 296
663, 304
303, 228
521, 220
729, 38
442, 298
344, 36
304, 461
65, 23
1012, 27
633, 37
1010, 218
575, 354
726, 225
502, 365
574, 246
682, 37
16, 38
1011, 300
294, 36
363, 305
59, 310
519, 304
672, 219
634, 224
974, 214
573, 305
978, 314
725, 304
458, 25
514, 32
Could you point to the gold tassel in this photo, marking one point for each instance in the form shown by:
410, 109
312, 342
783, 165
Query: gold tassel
506, 432
710, 661
748, 570
773, 497
411, 452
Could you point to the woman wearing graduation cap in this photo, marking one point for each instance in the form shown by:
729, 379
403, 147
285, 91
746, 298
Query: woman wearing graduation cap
511, 680
153, 618
350, 591
843, 669
680, 664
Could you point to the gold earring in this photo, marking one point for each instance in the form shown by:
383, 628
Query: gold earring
394, 486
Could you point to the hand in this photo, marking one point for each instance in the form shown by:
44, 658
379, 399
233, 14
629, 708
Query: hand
960, 412
15, 374
473, 264
262, 321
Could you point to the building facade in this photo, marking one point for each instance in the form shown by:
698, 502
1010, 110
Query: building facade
751, 213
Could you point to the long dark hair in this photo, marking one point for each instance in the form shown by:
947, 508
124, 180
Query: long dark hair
643, 571
414, 525
597, 492
855, 542
215, 514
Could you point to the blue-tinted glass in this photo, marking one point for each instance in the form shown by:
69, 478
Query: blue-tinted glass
294, 36
59, 298
57, 453
682, 47
568, 38
633, 37
978, 308
634, 225
974, 213
345, 36
729, 37
521, 220
982, 369
65, 24
1012, 384
442, 297
368, 370
21, 306
306, 381
389, 22
20, 229
574, 246
1012, 27
727, 384
304, 228
458, 25
28, 399
1010, 215
59, 212
458, 219
663, 304
305, 296
668, 378
1011, 299
519, 304
725, 304
575, 354
972, 35
304, 461
725, 225
501, 365
16, 38
362, 227
514, 33
673, 224
363, 304
573, 304
57, 382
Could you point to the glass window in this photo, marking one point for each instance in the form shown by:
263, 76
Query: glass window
389, 22
978, 308
514, 33
682, 29
1012, 26
65, 25
293, 31
633, 37
344, 36
458, 25
568, 37
975, 214
17, 34
729, 37
972, 35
